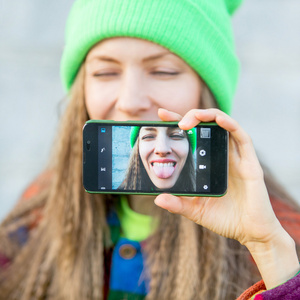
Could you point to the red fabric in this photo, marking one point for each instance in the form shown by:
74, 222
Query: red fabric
36, 187
4, 261
288, 217
290, 221
259, 286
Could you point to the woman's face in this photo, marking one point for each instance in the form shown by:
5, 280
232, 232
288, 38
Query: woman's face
129, 79
163, 151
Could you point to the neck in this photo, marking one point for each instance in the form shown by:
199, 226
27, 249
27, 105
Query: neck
142, 204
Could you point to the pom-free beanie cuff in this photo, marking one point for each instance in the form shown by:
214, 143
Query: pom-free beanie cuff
197, 31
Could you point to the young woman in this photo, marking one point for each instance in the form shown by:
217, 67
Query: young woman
149, 60
161, 159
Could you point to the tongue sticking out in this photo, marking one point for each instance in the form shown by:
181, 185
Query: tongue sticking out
163, 170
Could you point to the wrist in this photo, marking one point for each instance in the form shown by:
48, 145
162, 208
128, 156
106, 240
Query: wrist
276, 258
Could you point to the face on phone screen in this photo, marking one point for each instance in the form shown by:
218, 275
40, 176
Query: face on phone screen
160, 158
152, 159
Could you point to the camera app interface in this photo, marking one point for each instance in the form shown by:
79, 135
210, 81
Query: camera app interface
154, 158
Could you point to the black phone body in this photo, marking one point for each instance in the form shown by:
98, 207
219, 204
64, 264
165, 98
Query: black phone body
145, 157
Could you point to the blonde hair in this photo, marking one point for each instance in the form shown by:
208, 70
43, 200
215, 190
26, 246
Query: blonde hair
63, 258
65, 254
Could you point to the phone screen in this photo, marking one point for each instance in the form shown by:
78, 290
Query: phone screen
154, 157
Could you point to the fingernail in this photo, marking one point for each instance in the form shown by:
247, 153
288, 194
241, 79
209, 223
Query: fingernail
162, 109
182, 122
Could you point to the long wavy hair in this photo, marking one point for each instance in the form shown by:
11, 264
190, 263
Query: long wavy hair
64, 256
136, 177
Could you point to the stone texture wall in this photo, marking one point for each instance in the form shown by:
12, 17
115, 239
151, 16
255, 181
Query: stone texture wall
120, 154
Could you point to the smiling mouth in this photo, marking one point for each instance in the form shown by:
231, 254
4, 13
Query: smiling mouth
169, 164
163, 170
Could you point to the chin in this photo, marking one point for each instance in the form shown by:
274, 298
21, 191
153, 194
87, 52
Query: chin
164, 185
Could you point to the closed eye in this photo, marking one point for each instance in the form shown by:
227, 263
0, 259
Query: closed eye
108, 74
164, 73
177, 136
148, 137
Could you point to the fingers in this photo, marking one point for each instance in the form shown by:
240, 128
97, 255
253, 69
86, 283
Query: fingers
240, 141
169, 202
195, 116
188, 207
168, 116
239, 138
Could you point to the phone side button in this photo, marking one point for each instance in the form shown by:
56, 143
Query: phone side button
84, 157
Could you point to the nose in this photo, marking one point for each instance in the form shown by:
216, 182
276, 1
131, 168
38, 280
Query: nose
162, 146
132, 97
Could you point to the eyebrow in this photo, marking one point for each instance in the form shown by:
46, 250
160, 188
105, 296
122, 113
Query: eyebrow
103, 58
156, 56
149, 128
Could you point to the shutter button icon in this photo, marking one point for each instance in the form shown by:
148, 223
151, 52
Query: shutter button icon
202, 152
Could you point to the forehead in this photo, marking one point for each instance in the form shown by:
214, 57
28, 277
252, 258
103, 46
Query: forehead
129, 42
123, 47
159, 129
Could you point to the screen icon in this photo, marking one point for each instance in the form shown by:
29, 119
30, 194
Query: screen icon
103, 130
205, 133
103, 169
202, 152
202, 167
102, 150
205, 186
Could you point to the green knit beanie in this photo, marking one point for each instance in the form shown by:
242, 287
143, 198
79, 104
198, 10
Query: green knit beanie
198, 31
191, 134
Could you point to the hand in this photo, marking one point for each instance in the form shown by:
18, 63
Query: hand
244, 213
246, 200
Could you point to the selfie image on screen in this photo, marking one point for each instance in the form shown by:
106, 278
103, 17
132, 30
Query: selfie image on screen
153, 158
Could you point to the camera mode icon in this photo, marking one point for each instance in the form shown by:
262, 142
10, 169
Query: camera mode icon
202, 152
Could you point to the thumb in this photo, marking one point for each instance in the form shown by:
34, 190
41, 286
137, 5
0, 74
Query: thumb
189, 207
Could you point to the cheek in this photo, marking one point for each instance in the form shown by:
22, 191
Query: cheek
182, 150
98, 98
178, 96
93, 108
145, 149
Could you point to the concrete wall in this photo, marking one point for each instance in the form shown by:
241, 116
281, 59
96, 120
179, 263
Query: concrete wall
31, 42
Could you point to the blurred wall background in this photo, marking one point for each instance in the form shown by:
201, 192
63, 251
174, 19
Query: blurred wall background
267, 102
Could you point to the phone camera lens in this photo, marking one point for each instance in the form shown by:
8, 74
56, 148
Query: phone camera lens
88, 145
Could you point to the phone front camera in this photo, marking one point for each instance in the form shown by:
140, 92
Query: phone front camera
88, 145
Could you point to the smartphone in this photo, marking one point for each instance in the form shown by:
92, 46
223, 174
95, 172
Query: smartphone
143, 157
